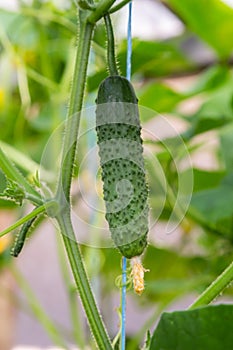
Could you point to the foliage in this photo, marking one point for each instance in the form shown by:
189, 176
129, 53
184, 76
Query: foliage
196, 329
34, 86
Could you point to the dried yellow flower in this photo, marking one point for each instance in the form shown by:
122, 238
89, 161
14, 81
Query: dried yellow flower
138, 274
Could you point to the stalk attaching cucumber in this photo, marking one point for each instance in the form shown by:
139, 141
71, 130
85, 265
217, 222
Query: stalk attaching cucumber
123, 172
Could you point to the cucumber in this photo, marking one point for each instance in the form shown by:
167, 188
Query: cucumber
21, 236
122, 164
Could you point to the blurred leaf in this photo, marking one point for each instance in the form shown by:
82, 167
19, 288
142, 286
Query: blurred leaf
206, 328
214, 207
214, 113
172, 274
211, 79
203, 180
159, 97
94, 80
168, 277
175, 286
210, 19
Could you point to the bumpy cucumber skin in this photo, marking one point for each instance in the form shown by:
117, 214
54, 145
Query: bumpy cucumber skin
121, 157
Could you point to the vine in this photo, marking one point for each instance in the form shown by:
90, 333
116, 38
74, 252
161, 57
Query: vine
19, 188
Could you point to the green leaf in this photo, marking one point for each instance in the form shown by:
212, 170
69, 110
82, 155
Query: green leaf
211, 79
214, 113
213, 208
210, 19
207, 328
167, 278
159, 97
203, 180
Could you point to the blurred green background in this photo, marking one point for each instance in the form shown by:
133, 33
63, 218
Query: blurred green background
182, 71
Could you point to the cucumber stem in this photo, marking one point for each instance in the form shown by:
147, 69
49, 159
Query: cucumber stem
111, 58
102, 8
74, 112
64, 183
34, 213
119, 6
215, 289
82, 283
86, 5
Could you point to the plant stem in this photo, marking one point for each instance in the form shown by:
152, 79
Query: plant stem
37, 310
83, 286
14, 174
111, 46
119, 6
102, 8
86, 5
78, 331
74, 112
28, 217
215, 289
86, 25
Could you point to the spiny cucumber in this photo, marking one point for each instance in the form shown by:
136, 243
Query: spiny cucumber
121, 157
21, 236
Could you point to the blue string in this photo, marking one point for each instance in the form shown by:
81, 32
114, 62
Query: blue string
124, 260
123, 303
129, 43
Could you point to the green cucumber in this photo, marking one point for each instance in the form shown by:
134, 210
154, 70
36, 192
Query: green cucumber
121, 157
21, 237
